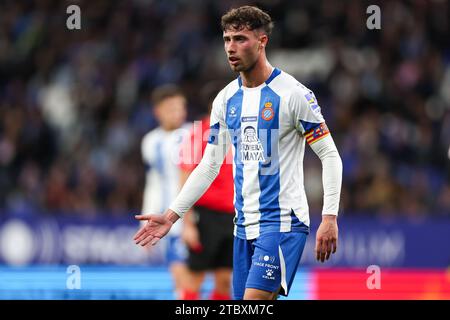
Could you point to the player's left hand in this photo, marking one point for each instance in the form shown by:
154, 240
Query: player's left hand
326, 238
157, 226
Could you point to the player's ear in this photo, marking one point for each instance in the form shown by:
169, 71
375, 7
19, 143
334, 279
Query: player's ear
263, 39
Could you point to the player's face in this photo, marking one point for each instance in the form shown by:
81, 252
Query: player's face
171, 112
243, 48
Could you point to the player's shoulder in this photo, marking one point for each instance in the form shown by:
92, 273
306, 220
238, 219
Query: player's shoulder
151, 136
287, 85
221, 99
228, 91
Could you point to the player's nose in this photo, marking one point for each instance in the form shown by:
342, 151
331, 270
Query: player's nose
230, 48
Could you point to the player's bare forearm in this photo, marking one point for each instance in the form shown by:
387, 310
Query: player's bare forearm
327, 237
157, 227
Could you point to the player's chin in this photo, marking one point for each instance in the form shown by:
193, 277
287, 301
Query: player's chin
237, 67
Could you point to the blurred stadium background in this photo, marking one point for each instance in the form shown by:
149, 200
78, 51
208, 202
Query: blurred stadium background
74, 105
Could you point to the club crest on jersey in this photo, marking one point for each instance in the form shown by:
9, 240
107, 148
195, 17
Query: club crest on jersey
267, 112
251, 147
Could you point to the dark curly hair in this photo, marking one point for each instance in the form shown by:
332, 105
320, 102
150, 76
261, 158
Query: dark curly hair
248, 17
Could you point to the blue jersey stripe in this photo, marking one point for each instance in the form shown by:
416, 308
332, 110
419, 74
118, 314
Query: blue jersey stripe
275, 73
295, 223
269, 171
233, 121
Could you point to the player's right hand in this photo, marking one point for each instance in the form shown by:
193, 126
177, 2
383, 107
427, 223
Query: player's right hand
157, 226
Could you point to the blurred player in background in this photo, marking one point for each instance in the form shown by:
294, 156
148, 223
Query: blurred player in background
272, 214
160, 147
208, 228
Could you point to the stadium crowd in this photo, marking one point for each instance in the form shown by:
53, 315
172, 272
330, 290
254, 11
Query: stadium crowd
74, 104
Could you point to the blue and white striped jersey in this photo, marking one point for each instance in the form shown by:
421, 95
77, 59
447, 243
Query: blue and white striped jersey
267, 127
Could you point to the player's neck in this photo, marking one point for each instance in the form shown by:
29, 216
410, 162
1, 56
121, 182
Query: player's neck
257, 75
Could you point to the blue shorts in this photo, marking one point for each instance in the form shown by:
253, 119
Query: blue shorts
267, 263
176, 250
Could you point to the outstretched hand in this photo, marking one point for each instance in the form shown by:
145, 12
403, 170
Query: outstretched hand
157, 226
326, 238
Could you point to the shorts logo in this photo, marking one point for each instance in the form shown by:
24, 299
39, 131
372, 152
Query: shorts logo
267, 258
267, 112
269, 274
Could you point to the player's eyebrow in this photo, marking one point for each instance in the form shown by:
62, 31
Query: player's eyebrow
238, 36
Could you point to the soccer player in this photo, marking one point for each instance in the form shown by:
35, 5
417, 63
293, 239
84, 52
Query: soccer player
272, 217
159, 150
208, 228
